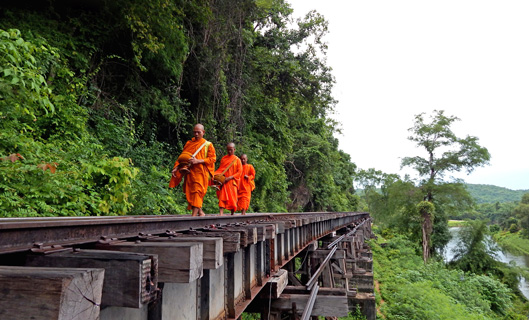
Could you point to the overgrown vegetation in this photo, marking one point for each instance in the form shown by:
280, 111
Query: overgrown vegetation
411, 289
97, 99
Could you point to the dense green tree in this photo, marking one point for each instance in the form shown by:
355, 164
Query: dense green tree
387, 197
244, 68
445, 153
521, 211
473, 253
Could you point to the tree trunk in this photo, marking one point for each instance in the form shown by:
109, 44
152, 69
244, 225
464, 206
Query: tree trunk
426, 233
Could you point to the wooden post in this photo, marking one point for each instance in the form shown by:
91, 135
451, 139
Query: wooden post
131, 279
50, 293
178, 262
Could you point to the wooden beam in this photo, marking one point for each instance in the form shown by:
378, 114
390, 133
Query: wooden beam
178, 262
231, 241
212, 254
277, 284
131, 279
248, 234
322, 254
325, 305
50, 293
322, 292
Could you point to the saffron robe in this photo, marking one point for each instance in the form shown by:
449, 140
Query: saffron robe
197, 180
228, 192
246, 186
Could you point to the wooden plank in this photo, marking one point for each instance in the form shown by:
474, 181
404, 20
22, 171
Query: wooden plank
322, 254
270, 230
131, 279
280, 227
325, 305
248, 234
50, 293
321, 292
312, 247
278, 282
261, 231
178, 262
231, 241
212, 254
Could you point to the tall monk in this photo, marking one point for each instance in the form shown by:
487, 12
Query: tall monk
231, 168
246, 185
197, 172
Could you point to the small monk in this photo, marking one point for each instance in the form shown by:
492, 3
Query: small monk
231, 168
196, 174
246, 185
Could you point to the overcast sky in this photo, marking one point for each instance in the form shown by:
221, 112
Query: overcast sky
395, 59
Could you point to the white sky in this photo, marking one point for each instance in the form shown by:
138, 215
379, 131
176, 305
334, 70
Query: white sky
395, 59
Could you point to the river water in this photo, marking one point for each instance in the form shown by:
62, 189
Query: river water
502, 256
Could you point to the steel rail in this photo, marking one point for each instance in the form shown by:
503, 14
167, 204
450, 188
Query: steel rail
21, 234
335, 242
310, 303
313, 280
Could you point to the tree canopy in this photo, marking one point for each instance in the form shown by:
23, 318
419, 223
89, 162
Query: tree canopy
98, 98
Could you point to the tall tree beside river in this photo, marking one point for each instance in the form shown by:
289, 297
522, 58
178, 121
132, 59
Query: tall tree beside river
445, 153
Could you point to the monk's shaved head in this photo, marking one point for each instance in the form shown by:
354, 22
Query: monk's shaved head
230, 148
198, 131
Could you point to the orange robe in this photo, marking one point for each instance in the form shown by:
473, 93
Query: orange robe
197, 180
228, 192
246, 186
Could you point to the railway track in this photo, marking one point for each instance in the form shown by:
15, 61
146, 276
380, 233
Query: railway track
214, 266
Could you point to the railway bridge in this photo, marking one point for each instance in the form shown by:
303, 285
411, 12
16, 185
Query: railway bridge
274, 265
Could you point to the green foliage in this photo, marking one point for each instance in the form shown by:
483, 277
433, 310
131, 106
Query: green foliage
512, 242
521, 211
484, 193
42, 173
472, 253
497, 212
413, 290
445, 153
356, 314
456, 154
89, 100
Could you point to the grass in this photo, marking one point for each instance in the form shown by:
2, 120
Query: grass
513, 242
456, 223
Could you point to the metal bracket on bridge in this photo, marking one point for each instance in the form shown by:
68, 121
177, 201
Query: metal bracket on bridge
42, 249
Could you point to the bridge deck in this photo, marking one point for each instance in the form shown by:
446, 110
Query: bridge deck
182, 267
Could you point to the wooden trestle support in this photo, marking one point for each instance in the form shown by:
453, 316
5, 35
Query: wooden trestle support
299, 266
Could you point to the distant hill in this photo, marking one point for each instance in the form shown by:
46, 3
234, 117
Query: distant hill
485, 193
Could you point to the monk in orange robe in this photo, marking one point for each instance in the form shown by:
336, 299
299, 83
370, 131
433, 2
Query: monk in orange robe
196, 177
246, 185
227, 192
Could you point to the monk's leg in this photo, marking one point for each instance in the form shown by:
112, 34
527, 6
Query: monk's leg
221, 212
201, 213
194, 211
243, 212
232, 212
